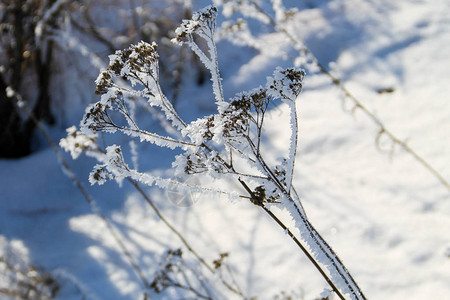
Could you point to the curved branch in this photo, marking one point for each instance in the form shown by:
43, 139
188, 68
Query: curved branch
357, 104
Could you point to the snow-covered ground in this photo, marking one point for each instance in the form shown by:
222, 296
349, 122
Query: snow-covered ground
386, 216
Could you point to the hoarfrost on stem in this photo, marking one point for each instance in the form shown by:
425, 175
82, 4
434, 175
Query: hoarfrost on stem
203, 24
226, 144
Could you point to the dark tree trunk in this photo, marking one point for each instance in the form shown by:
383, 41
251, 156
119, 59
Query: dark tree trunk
16, 61
14, 135
42, 108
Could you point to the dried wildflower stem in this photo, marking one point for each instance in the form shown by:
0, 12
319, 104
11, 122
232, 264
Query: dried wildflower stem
305, 251
232, 127
356, 103
299, 244
69, 173
217, 81
316, 237
292, 146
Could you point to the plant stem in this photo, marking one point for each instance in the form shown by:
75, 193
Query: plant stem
318, 240
305, 251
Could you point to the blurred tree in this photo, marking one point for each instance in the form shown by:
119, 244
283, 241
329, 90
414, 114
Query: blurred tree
25, 56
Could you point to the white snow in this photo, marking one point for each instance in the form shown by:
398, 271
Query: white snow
385, 215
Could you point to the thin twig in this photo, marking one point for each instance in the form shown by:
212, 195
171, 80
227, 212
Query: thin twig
357, 104
317, 238
305, 251
299, 244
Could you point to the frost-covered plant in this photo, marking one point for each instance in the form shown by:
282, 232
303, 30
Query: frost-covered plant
174, 272
227, 144
19, 280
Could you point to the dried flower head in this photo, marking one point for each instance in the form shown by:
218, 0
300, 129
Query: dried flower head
164, 277
99, 175
77, 142
219, 262
113, 167
200, 23
134, 63
286, 84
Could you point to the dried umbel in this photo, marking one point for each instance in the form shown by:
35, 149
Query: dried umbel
100, 175
202, 23
239, 121
245, 106
286, 84
226, 144
76, 142
96, 118
113, 167
165, 277
174, 272
135, 63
